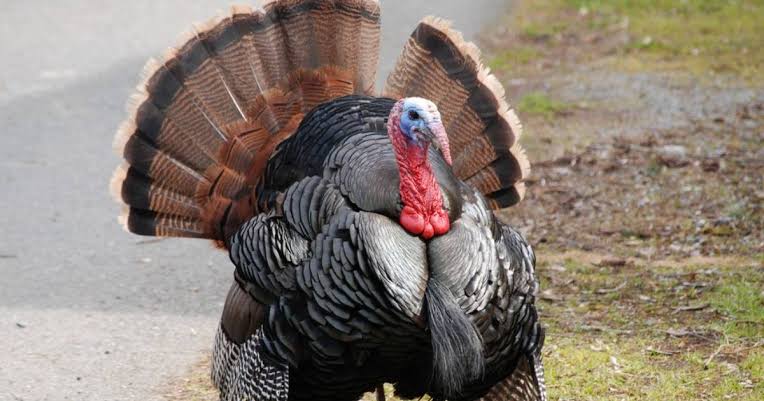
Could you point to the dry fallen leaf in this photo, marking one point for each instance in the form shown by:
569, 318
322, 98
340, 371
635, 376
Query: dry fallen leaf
549, 295
612, 262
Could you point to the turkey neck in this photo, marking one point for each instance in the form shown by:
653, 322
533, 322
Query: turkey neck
422, 213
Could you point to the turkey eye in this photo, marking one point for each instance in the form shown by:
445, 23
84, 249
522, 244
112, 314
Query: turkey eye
413, 115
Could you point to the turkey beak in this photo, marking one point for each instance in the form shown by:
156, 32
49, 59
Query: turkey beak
426, 135
437, 135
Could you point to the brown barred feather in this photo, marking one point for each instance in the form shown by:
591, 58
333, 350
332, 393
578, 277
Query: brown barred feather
526, 383
206, 119
483, 131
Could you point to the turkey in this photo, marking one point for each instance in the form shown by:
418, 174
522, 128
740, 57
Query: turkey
361, 227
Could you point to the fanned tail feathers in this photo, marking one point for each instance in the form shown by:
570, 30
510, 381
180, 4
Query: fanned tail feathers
205, 120
526, 383
438, 64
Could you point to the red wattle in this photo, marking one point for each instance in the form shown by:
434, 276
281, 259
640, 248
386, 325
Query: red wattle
440, 223
411, 220
428, 231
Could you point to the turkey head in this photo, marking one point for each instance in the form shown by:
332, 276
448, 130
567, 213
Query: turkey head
414, 124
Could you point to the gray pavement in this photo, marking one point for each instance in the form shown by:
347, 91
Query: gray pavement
87, 311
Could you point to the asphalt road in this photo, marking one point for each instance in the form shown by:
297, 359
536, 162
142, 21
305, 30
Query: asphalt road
87, 311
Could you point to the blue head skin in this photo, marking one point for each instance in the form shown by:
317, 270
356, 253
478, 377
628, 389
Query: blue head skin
421, 125
417, 117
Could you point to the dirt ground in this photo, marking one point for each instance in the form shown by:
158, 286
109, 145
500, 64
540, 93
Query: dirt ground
641, 163
644, 203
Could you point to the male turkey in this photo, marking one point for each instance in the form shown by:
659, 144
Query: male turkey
363, 254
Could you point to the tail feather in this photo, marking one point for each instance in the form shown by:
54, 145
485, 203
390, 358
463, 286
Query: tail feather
148, 222
205, 79
526, 383
143, 194
206, 119
438, 64
152, 162
236, 57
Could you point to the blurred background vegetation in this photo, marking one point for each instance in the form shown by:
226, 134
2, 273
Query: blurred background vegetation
698, 36
645, 123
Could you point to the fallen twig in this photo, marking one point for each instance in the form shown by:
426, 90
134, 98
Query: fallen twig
660, 352
756, 322
609, 290
605, 329
691, 308
683, 332
710, 358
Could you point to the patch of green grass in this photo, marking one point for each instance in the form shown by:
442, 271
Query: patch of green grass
607, 341
572, 359
700, 36
654, 168
697, 36
534, 31
738, 210
514, 59
621, 369
741, 301
537, 103
754, 365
